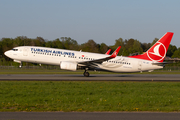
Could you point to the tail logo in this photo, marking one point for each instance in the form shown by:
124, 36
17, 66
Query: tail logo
157, 52
115, 53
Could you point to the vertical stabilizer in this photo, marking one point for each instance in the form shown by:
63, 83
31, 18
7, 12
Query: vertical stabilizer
158, 51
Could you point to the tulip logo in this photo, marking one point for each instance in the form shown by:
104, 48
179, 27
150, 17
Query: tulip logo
157, 52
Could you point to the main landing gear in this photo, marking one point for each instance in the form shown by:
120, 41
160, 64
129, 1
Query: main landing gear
86, 74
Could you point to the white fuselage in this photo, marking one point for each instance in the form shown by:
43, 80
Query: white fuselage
52, 56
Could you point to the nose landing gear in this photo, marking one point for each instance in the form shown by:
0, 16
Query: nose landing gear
20, 65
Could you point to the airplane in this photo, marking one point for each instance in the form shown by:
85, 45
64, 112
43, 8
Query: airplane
108, 52
73, 60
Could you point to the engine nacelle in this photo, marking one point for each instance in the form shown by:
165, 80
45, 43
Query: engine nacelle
68, 66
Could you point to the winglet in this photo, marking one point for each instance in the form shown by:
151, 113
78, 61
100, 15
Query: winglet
107, 53
115, 52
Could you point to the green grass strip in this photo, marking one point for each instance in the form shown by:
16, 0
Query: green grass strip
89, 96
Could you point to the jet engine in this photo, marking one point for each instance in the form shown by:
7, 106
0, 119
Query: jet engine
68, 65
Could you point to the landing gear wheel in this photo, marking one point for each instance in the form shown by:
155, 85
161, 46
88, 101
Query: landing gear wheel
86, 74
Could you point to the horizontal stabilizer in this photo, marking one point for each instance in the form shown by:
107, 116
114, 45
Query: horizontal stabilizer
161, 63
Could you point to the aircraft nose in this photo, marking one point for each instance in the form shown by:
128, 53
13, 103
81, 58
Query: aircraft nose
7, 53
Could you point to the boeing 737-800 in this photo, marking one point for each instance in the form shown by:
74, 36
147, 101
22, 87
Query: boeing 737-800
72, 60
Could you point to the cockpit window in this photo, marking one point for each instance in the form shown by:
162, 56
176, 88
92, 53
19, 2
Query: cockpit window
15, 49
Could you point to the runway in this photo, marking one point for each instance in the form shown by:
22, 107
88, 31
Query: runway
93, 77
88, 116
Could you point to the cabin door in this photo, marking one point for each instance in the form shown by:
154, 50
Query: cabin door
139, 65
25, 51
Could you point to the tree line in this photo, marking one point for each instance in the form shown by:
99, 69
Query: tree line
128, 46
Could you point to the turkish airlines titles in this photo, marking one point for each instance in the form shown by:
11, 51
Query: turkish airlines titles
48, 51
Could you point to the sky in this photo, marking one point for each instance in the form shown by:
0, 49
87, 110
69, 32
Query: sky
104, 21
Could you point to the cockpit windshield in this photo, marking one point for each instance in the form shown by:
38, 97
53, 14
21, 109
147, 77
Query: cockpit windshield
15, 49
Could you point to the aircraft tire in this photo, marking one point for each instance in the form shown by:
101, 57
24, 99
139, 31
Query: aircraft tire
86, 74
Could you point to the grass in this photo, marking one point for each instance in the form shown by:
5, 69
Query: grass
89, 96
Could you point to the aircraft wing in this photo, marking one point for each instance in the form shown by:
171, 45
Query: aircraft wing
86, 63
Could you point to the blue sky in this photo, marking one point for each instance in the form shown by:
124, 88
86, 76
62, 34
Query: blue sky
104, 21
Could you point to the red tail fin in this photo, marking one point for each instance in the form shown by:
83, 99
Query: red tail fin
158, 51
